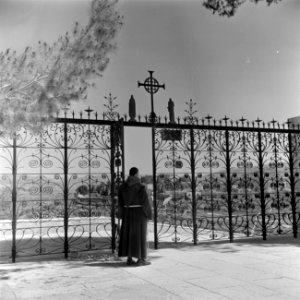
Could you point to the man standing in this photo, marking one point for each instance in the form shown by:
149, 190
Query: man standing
135, 210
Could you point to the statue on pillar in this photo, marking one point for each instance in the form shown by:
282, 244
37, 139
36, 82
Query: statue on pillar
171, 111
132, 112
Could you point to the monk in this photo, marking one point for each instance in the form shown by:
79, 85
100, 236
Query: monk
135, 210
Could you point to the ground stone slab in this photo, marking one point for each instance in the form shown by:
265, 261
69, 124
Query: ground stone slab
253, 269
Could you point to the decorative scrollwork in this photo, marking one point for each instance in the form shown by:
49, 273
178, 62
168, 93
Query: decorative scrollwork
47, 163
33, 190
34, 163
83, 164
212, 182
47, 190
95, 164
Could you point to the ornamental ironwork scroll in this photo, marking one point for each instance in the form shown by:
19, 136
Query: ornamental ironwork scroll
246, 184
58, 188
63, 187
173, 185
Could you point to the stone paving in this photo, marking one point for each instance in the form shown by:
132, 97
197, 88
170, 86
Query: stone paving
246, 269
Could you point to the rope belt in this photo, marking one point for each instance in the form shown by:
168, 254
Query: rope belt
132, 206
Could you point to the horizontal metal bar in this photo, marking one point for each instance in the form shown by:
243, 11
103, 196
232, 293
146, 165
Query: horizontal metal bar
180, 126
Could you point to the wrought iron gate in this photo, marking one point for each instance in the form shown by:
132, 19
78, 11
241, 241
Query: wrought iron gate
211, 181
226, 181
58, 188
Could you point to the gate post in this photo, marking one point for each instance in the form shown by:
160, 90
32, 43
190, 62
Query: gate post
292, 183
112, 185
66, 191
154, 186
14, 199
193, 186
262, 187
116, 160
229, 187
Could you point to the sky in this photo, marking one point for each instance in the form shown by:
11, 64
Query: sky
247, 65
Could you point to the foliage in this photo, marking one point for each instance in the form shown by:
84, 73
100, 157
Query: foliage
35, 84
229, 7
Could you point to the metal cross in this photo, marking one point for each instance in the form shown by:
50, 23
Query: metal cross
89, 110
151, 86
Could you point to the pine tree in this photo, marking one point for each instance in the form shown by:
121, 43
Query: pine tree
228, 8
35, 84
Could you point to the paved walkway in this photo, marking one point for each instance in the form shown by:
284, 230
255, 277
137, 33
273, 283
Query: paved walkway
249, 269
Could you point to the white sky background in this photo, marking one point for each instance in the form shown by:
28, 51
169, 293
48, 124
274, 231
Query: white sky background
247, 65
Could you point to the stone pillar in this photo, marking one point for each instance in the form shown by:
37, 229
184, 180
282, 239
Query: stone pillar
132, 111
171, 111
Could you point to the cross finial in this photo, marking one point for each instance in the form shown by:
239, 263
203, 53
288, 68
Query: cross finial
273, 122
243, 120
89, 110
151, 86
226, 119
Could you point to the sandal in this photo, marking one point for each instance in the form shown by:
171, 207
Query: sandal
142, 262
130, 261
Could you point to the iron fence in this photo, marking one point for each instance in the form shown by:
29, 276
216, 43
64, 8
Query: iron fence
212, 181
227, 183
57, 189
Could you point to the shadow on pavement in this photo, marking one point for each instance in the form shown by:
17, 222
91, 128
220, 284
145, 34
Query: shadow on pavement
107, 264
114, 263
107, 259
6, 273
226, 246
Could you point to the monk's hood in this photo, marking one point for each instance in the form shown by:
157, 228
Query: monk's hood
132, 180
